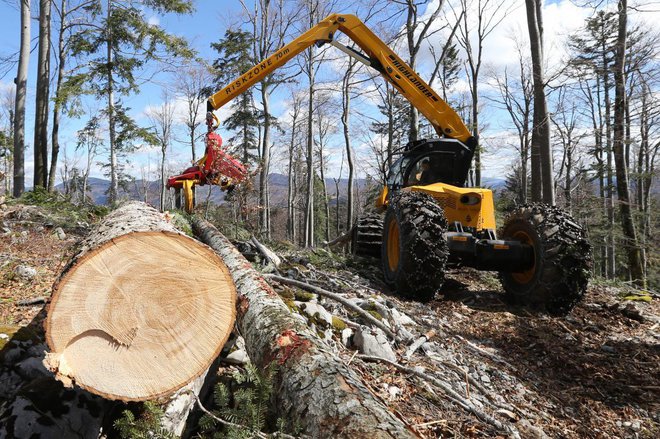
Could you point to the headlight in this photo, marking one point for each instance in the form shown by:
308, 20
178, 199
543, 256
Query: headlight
471, 199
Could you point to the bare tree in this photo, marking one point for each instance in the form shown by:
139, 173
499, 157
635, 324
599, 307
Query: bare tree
627, 223
542, 175
21, 91
192, 84
43, 84
516, 96
418, 27
345, 122
325, 130
162, 118
489, 14
270, 24
566, 121
291, 228
90, 140
7, 104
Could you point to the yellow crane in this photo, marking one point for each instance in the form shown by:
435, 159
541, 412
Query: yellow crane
431, 219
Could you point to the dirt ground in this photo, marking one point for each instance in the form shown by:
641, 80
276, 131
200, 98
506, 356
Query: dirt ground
592, 374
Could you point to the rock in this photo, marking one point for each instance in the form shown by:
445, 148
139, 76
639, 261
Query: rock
346, 335
373, 342
485, 379
238, 357
59, 232
401, 318
393, 391
403, 334
314, 311
636, 426
25, 272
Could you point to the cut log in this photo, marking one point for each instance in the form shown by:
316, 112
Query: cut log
313, 388
140, 311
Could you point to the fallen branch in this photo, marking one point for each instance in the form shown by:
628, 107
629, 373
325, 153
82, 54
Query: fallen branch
336, 297
417, 343
34, 301
267, 253
451, 393
341, 239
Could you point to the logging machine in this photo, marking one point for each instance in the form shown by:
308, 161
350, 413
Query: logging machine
430, 218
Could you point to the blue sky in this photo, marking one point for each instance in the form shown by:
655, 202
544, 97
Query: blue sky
209, 22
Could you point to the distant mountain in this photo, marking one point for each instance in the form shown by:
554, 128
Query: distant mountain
279, 183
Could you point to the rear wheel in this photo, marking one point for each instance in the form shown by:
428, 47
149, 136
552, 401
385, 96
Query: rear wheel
367, 235
414, 250
562, 259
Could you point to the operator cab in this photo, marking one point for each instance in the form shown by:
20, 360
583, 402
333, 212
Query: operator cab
431, 161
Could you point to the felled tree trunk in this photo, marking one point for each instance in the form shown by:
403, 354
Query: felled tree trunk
314, 389
140, 311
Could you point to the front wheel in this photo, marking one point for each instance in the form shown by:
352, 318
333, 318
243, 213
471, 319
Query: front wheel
414, 250
558, 279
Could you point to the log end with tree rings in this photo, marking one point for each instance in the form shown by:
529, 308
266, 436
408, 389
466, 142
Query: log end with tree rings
137, 315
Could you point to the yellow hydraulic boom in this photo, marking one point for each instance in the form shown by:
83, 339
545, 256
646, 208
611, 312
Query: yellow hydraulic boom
376, 55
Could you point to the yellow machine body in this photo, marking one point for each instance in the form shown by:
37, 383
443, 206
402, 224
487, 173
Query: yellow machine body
472, 207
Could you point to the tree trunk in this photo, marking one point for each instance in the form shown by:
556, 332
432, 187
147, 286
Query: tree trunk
163, 181
290, 216
42, 99
627, 223
543, 184
326, 205
21, 92
114, 180
264, 212
129, 318
57, 107
475, 127
345, 121
313, 388
309, 207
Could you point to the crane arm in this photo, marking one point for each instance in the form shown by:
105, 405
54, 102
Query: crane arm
376, 54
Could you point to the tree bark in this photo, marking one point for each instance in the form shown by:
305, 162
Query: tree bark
291, 216
57, 107
313, 388
113, 192
309, 205
542, 175
140, 311
42, 99
264, 212
627, 222
21, 91
345, 121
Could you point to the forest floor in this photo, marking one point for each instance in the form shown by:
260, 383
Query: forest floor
594, 373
